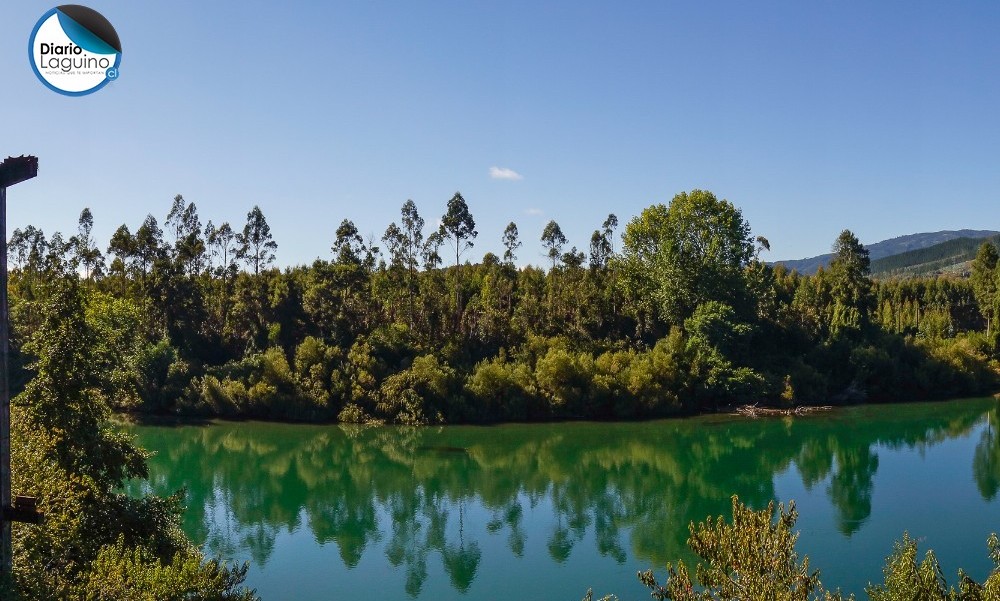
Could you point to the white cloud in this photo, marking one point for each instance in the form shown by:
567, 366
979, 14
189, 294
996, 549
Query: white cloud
504, 173
534, 212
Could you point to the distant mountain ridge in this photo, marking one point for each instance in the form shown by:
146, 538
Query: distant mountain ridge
891, 247
952, 257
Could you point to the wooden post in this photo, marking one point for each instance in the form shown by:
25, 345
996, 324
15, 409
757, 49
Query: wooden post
13, 170
6, 550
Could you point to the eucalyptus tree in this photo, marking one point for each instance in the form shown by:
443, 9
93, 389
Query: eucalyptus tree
17, 248
122, 246
191, 248
395, 246
57, 258
85, 249
412, 237
430, 252
608, 230
573, 259
350, 275
985, 283
349, 247
148, 244
553, 240
175, 218
222, 245
510, 243
28, 247
404, 245
412, 232
602, 246
256, 244
397, 274
599, 251
185, 226
459, 228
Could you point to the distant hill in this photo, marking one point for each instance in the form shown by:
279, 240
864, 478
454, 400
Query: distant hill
953, 256
895, 246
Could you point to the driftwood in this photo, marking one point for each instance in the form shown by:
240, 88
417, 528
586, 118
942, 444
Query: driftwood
755, 411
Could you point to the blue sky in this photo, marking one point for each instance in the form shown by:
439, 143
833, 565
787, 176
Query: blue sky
810, 116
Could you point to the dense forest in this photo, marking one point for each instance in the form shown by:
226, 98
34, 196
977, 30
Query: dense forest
677, 314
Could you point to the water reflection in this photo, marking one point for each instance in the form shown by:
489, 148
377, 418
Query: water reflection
631, 487
986, 461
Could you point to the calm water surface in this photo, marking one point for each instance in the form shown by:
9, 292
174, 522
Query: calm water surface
545, 511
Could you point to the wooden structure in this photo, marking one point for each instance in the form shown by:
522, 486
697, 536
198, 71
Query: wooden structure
13, 170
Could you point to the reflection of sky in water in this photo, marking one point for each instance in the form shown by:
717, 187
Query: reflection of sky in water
546, 511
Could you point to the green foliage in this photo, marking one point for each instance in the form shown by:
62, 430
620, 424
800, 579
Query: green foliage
751, 558
315, 366
504, 390
418, 395
986, 282
563, 376
689, 253
63, 399
458, 226
264, 385
159, 375
66, 453
905, 579
642, 248
256, 244
850, 284
120, 342
687, 318
510, 243
124, 572
715, 339
959, 366
553, 240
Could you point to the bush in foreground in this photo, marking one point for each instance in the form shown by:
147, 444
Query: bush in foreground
753, 557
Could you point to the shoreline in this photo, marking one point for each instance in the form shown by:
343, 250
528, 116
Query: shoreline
746, 411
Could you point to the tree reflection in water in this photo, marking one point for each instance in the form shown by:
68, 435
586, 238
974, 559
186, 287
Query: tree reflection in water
986, 461
631, 485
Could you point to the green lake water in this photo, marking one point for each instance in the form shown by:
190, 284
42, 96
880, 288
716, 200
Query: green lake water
544, 511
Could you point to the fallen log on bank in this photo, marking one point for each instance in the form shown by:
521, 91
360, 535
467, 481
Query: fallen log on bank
755, 411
